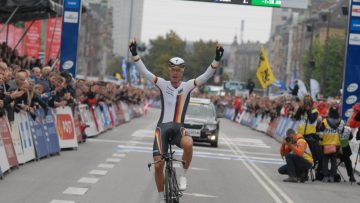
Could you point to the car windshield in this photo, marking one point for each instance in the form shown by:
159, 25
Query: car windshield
199, 110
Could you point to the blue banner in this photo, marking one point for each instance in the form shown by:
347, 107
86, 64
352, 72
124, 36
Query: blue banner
123, 68
40, 139
69, 36
133, 74
351, 91
50, 131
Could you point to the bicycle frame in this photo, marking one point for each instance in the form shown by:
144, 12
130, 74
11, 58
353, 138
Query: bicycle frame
172, 192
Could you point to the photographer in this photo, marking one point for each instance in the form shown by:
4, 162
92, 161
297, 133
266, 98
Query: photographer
308, 118
298, 157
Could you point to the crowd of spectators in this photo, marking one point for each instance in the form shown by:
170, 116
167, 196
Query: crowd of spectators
26, 85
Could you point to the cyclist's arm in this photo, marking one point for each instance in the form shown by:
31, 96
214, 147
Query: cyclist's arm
142, 68
207, 75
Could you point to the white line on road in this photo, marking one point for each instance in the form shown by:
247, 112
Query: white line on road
61, 201
88, 180
108, 166
113, 160
98, 172
251, 166
75, 191
119, 155
200, 195
131, 142
262, 183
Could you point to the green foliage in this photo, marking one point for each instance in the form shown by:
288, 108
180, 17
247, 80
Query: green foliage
113, 66
199, 58
161, 50
329, 65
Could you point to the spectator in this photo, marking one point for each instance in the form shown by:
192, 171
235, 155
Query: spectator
250, 86
297, 156
294, 91
330, 142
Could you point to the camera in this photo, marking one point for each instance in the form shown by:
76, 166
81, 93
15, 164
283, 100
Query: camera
288, 139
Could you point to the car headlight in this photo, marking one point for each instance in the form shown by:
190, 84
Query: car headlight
211, 127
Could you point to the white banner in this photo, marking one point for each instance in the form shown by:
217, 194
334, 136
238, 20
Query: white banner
65, 127
24, 130
4, 163
88, 120
314, 88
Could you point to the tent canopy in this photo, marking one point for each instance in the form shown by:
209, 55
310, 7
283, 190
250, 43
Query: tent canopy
30, 9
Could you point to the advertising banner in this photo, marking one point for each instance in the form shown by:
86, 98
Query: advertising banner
69, 37
120, 113
4, 163
87, 118
39, 137
126, 111
7, 141
66, 128
351, 90
100, 118
53, 39
50, 131
16, 139
77, 124
32, 39
106, 116
26, 136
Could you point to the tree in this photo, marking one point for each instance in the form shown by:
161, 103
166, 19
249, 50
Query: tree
161, 50
199, 58
329, 65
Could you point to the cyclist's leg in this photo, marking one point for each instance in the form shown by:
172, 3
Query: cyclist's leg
159, 167
187, 145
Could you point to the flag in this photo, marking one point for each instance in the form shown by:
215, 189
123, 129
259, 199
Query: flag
123, 68
279, 84
264, 72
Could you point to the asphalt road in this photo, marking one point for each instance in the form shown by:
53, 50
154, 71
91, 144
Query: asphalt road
113, 168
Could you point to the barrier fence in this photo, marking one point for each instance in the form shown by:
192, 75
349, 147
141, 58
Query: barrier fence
277, 128
26, 139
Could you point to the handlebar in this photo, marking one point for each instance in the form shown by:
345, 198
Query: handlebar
167, 158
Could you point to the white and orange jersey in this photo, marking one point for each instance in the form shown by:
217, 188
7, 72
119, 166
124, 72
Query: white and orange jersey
174, 101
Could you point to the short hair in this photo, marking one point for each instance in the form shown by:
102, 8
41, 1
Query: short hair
290, 132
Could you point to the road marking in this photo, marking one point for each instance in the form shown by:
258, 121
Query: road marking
233, 157
251, 166
61, 201
88, 180
144, 133
113, 160
75, 191
109, 166
150, 144
119, 155
200, 195
98, 172
191, 168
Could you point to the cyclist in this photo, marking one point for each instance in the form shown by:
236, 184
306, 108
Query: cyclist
175, 96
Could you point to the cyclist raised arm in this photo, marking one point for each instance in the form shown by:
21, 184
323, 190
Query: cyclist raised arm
175, 96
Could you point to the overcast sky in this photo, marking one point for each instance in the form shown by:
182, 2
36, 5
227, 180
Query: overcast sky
207, 21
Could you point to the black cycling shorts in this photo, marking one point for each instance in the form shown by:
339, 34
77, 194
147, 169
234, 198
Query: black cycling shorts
163, 133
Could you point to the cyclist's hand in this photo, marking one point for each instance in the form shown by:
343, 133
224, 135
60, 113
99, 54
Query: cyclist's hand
219, 52
133, 47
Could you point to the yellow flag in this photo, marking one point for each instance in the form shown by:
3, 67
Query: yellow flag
118, 76
264, 72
